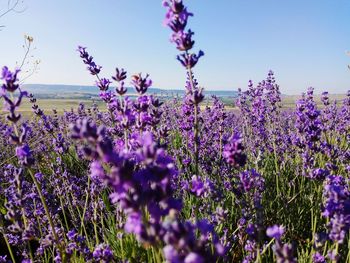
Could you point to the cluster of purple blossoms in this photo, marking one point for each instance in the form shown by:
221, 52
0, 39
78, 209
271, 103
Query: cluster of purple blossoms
309, 130
214, 136
102, 253
140, 83
183, 245
283, 252
127, 115
318, 258
77, 244
8, 88
200, 187
176, 19
336, 208
88, 60
249, 190
140, 180
308, 122
119, 77
113, 180
345, 115
260, 107
234, 151
10, 79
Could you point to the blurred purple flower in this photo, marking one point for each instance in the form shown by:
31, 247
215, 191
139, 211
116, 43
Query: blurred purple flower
234, 151
275, 231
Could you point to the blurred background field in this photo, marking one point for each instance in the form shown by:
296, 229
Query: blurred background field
67, 97
48, 103
288, 101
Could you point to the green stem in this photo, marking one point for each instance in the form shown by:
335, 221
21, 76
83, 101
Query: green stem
95, 223
64, 214
9, 248
196, 132
196, 148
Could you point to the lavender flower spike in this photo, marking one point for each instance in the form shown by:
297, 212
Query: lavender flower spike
275, 231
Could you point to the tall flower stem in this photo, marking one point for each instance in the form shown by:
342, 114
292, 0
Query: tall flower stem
123, 104
95, 223
196, 146
8, 245
82, 218
195, 127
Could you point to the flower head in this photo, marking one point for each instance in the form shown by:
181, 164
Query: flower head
140, 83
234, 151
275, 231
10, 79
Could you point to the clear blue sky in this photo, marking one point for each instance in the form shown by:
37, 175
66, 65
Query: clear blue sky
303, 41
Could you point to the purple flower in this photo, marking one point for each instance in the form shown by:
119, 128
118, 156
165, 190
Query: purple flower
234, 151
336, 208
102, 253
94, 69
120, 75
197, 96
275, 231
88, 60
103, 84
183, 40
121, 90
177, 15
189, 60
10, 79
140, 83
325, 98
319, 174
134, 224
24, 154
183, 246
171, 254
194, 258
197, 186
96, 171
318, 258
284, 253
71, 234
176, 19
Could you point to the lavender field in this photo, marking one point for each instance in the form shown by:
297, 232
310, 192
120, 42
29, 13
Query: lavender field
147, 179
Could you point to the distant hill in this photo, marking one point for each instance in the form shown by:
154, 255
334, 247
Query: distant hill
87, 92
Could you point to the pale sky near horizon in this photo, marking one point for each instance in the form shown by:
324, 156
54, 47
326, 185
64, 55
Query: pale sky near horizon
303, 42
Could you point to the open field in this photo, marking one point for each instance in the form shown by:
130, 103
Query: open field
47, 104
248, 163
59, 104
288, 101
128, 172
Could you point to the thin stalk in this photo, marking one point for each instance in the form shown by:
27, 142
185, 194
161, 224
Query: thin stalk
9, 248
266, 247
336, 251
86, 203
123, 104
102, 225
95, 224
64, 214
196, 148
348, 255
220, 146
196, 132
